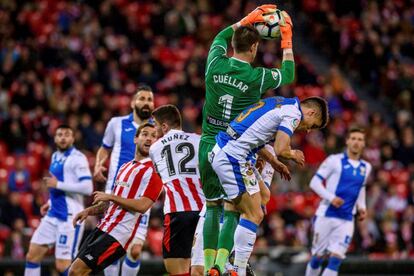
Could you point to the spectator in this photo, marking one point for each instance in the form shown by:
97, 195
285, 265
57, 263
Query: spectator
19, 178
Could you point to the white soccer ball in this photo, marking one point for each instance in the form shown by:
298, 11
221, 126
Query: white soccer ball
270, 29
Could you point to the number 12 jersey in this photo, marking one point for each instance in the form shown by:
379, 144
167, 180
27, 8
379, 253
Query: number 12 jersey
175, 156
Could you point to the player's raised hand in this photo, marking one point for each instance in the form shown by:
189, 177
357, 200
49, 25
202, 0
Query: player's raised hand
80, 217
298, 157
337, 202
44, 208
100, 196
257, 15
286, 26
98, 173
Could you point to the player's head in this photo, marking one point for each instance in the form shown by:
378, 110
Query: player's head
145, 136
143, 102
315, 113
167, 117
245, 41
355, 140
64, 137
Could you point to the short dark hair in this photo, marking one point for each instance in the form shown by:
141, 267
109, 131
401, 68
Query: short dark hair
321, 105
168, 114
143, 87
141, 127
64, 126
354, 129
244, 37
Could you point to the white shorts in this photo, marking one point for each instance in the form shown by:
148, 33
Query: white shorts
236, 176
142, 230
331, 235
62, 234
197, 252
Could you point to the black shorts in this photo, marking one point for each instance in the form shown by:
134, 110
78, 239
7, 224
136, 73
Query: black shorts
179, 231
99, 250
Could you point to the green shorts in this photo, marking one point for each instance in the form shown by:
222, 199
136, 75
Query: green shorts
211, 184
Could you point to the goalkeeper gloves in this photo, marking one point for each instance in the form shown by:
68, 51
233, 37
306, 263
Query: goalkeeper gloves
257, 15
286, 31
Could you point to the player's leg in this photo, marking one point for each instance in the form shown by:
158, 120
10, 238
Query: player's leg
177, 242
241, 186
226, 236
197, 255
44, 236
132, 262
321, 229
98, 251
66, 246
112, 269
339, 242
214, 208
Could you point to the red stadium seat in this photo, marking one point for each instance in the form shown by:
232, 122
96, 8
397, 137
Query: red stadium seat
4, 233
26, 201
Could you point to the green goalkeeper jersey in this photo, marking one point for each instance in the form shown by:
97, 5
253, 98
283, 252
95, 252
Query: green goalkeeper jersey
233, 84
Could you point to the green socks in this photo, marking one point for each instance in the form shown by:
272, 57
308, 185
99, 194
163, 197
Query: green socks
210, 235
226, 238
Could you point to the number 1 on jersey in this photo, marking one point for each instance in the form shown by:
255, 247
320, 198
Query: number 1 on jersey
226, 101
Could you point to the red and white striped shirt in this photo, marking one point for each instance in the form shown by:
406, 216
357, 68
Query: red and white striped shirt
134, 180
175, 156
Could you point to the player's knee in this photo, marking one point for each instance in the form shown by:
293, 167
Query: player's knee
334, 262
135, 252
33, 257
78, 268
62, 265
197, 270
214, 203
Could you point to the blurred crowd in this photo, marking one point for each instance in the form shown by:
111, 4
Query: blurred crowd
79, 62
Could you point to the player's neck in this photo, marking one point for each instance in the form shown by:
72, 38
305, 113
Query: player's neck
139, 156
137, 119
243, 56
353, 156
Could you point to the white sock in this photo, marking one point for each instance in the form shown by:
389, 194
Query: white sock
112, 270
244, 238
130, 267
32, 269
311, 271
329, 272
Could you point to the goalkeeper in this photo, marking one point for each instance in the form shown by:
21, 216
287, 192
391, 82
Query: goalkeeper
232, 84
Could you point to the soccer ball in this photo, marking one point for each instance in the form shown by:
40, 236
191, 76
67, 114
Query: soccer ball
270, 29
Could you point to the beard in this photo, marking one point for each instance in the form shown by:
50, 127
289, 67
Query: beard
62, 148
144, 112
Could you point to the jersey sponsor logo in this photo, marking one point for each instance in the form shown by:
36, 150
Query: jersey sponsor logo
63, 239
122, 183
216, 122
129, 129
226, 79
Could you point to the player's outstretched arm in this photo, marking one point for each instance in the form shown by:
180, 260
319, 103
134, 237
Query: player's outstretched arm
99, 168
140, 205
288, 62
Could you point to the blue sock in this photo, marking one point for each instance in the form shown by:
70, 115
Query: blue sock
334, 263
32, 269
130, 267
315, 262
65, 273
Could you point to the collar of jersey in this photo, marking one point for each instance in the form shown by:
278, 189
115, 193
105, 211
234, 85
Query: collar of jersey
67, 152
241, 61
347, 158
174, 130
300, 109
142, 161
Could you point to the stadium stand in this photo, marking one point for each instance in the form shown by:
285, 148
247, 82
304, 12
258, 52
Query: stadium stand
79, 62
